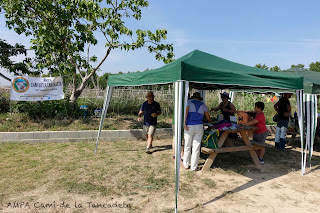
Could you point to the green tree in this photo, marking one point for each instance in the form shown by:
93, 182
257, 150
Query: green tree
103, 80
64, 31
315, 66
301, 66
6, 51
262, 66
275, 68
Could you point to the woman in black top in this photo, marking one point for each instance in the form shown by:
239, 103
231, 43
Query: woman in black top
226, 107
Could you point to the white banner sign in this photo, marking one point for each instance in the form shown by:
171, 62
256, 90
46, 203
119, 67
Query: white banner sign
36, 89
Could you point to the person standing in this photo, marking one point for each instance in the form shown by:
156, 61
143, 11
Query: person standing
150, 110
226, 107
193, 130
283, 109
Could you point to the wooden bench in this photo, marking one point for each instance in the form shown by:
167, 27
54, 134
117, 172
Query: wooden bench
259, 145
226, 149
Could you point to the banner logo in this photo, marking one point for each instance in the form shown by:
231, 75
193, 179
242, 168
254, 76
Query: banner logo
25, 88
20, 84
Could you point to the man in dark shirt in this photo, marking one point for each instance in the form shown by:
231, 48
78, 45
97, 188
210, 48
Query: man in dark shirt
283, 109
150, 109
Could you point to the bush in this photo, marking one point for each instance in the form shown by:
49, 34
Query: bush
58, 109
4, 104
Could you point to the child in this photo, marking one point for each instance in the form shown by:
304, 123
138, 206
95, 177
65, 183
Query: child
261, 134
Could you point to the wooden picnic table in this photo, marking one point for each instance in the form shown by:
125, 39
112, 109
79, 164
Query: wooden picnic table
224, 139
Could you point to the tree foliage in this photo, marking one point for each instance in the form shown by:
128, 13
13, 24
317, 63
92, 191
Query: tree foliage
6, 52
301, 66
63, 32
262, 66
275, 68
315, 66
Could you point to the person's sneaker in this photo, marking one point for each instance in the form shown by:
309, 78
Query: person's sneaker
261, 160
148, 150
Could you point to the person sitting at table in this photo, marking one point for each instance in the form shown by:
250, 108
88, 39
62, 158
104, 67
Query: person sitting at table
226, 107
261, 134
193, 130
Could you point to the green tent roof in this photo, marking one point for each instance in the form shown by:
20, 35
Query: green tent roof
311, 79
205, 71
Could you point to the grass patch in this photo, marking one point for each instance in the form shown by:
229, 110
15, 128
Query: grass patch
208, 182
72, 168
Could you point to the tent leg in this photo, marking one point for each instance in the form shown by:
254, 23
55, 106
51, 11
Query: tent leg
181, 95
301, 128
203, 94
104, 112
314, 124
308, 122
232, 96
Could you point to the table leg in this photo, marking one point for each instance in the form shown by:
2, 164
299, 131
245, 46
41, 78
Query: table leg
222, 139
252, 151
209, 161
212, 156
292, 139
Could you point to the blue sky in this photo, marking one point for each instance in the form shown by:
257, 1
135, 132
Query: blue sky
282, 32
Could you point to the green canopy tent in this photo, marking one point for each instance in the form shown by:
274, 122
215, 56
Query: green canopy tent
201, 70
311, 79
205, 71
311, 86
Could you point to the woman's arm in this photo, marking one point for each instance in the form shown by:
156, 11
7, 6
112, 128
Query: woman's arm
208, 117
217, 108
233, 108
276, 106
288, 111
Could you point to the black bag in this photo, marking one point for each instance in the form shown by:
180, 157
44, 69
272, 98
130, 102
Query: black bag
275, 118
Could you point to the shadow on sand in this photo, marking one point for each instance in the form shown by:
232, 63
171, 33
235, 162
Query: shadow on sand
277, 162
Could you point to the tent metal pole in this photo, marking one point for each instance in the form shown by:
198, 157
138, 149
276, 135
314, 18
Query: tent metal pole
308, 122
315, 119
181, 96
232, 96
177, 134
186, 91
300, 117
106, 103
203, 95
313, 124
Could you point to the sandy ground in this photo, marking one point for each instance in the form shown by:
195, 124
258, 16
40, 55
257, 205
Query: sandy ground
239, 187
